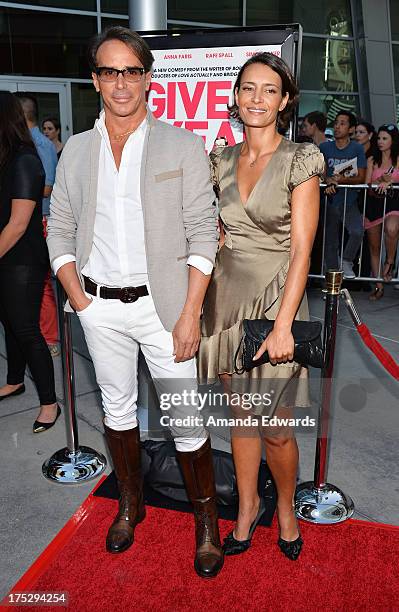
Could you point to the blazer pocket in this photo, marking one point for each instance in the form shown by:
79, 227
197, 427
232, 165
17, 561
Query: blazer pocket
164, 176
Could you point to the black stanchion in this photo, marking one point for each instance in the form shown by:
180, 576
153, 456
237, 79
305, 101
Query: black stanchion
72, 464
320, 501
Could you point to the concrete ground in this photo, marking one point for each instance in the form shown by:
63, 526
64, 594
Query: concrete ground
363, 451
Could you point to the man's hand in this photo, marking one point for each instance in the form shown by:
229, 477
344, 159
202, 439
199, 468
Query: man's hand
332, 183
81, 303
186, 337
330, 190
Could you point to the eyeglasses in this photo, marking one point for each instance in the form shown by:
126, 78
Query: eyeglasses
132, 74
388, 128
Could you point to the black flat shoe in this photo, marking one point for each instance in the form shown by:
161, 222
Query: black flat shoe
18, 391
291, 550
232, 546
38, 427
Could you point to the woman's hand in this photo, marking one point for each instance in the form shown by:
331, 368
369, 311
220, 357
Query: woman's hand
382, 187
279, 344
387, 178
222, 235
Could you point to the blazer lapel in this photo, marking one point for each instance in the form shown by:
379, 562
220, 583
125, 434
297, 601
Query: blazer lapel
144, 161
92, 199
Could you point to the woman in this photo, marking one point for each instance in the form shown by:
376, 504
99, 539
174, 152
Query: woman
269, 205
366, 135
51, 128
23, 262
383, 168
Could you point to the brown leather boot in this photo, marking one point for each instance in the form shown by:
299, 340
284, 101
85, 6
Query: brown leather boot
124, 447
197, 468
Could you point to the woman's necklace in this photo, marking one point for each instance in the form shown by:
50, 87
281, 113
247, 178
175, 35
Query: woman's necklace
253, 162
120, 136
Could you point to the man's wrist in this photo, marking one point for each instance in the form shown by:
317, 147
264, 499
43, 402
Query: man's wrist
191, 312
79, 302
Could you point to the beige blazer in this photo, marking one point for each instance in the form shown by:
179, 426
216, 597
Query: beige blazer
177, 200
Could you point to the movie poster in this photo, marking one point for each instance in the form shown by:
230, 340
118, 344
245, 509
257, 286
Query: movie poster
192, 87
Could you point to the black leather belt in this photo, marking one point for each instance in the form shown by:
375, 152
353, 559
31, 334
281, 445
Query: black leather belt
125, 294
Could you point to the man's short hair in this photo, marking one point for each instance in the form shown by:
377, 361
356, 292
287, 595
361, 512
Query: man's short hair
136, 43
351, 117
317, 117
29, 104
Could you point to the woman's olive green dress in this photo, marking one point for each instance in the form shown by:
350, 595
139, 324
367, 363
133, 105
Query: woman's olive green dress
251, 269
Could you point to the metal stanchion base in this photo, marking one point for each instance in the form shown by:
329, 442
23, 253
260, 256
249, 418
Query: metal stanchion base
72, 468
326, 505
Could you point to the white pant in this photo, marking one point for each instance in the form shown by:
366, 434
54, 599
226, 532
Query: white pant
114, 332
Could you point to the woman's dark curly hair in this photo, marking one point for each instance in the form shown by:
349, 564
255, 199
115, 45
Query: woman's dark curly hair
393, 131
288, 86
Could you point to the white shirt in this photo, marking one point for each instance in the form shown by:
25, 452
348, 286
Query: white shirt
117, 257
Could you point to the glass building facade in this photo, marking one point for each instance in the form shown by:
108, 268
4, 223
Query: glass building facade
48, 38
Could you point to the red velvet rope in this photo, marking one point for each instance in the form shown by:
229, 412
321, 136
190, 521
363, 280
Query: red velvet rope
382, 355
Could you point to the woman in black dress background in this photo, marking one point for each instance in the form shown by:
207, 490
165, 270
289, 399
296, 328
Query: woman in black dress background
23, 261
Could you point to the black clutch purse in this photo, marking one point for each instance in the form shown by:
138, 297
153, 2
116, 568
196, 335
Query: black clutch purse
308, 349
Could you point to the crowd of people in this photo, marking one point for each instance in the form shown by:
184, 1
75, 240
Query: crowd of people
359, 154
132, 237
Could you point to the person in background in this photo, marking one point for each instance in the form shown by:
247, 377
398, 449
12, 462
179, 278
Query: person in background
300, 134
314, 126
24, 262
48, 156
345, 164
366, 135
51, 128
383, 168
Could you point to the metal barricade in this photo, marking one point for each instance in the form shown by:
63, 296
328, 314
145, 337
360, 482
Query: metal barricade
319, 501
363, 194
74, 463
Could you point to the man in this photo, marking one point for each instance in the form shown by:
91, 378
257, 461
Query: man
314, 126
345, 164
48, 156
132, 238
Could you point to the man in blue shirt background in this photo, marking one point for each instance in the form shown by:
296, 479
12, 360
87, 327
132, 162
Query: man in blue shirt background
44, 146
345, 164
48, 156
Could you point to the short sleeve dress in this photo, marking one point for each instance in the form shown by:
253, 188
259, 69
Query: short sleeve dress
23, 178
251, 269
380, 207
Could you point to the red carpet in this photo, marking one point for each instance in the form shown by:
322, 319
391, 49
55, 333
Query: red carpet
350, 567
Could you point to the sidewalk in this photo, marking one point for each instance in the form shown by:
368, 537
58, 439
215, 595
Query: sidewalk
363, 454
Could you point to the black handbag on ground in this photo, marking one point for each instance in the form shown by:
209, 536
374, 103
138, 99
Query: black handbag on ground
164, 486
164, 475
308, 349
